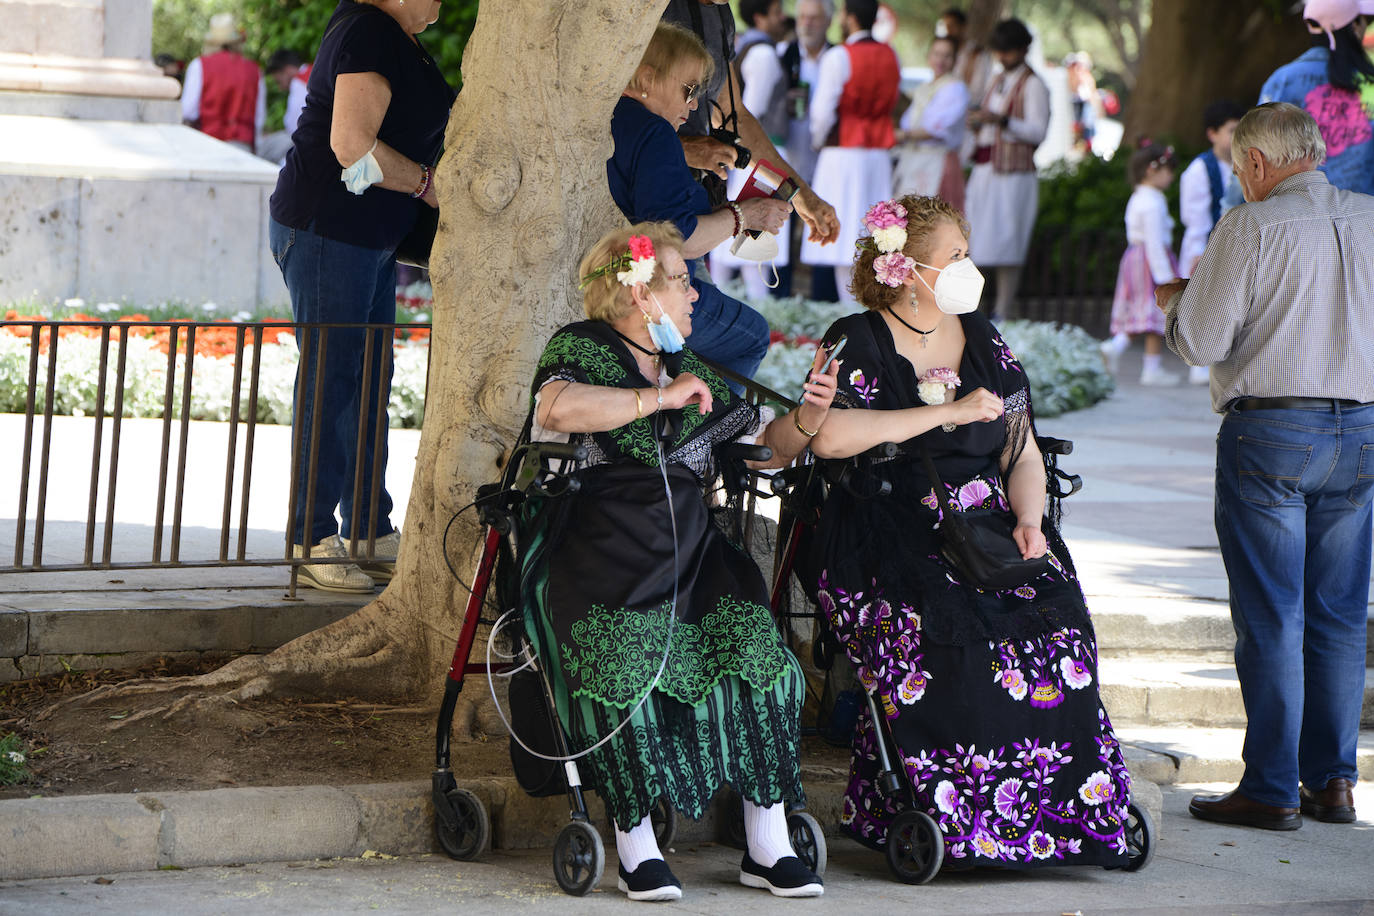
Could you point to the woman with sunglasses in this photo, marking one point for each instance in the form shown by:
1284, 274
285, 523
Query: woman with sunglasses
651, 181
637, 603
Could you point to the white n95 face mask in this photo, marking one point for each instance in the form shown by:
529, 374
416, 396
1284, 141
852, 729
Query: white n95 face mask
760, 248
958, 288
362, 174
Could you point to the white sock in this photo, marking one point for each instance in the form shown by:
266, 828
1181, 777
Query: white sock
765, 830
1151, 365
1121, 341
637, 846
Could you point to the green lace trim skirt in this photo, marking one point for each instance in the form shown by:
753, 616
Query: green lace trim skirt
738, 735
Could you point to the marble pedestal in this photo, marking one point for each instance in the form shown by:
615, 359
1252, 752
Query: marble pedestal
144, 212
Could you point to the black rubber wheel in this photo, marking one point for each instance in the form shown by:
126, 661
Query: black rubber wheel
1140, 838
664, 819
915, 847
808, 842
732, 820
473, 830
578, 858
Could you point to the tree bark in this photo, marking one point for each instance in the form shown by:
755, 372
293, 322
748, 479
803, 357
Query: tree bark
1196, 53
523, 194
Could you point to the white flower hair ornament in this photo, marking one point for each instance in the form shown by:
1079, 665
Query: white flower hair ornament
886, 223
634, 266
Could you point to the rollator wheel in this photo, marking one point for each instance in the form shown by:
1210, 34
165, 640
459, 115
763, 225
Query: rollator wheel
664, 819
473, 830
808, 841
1140, 838
915, 847
732, 820
578, 858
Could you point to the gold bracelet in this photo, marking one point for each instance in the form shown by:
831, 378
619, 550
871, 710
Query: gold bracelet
639, 404
796, 421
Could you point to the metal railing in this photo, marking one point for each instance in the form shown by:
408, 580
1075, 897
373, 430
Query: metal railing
1070, 277
178, 341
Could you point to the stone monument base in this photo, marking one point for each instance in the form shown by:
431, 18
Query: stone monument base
142, 212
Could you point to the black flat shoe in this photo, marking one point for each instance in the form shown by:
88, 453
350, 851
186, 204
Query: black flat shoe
651, 881
788, 877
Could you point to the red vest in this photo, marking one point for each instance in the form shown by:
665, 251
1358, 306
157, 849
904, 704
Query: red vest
228, 96
869, 97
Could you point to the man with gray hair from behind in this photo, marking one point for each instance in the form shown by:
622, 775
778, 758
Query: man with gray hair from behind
1282, 308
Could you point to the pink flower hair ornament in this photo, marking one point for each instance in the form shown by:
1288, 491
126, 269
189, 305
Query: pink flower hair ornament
886, 222
635, 266
893, 268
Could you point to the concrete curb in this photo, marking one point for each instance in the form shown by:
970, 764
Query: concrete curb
107, 834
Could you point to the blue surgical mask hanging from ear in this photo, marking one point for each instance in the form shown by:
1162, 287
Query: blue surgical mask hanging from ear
663, 332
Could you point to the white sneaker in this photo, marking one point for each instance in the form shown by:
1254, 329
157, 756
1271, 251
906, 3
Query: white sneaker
1160, 378
1199, 375
383, 564
333, 577
1112, 348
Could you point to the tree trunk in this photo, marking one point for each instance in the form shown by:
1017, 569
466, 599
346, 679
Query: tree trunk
982, 16
523, 191
523, 194
1196, 53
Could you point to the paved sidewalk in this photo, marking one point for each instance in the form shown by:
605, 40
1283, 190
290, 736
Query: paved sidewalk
1141, 534
1201, 868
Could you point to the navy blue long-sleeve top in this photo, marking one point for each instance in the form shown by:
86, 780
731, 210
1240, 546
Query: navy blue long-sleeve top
648, 172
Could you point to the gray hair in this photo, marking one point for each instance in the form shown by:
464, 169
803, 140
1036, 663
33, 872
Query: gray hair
1284, 133
827, 5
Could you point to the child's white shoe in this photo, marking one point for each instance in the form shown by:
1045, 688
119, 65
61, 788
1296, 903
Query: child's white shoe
1159, 377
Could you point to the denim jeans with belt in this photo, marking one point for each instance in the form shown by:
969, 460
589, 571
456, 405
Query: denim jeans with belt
334, 282
1293, 515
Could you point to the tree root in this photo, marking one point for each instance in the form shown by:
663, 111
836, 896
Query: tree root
357, 656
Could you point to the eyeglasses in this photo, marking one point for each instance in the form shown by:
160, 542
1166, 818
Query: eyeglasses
683, 279
691, 92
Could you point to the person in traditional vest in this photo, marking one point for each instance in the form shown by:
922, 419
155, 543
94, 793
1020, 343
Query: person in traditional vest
1201, 191
851, 125
763, 89
291, 73
224, 94
1003, 190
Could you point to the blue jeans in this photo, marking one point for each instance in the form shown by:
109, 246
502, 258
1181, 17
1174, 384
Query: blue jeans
1293, 518
726, 331
334, 282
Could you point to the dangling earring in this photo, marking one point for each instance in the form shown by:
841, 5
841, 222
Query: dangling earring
644, 95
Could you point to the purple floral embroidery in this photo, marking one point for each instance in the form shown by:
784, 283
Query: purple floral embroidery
865, 389
1025, 592
1005, 358
1097, 789
1013, 682
1043, 669
1076, 674
974, 493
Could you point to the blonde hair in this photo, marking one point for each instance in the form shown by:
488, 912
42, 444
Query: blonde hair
604, 298
671, 46
923, 215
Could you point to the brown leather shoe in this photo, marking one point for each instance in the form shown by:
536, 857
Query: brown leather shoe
1234, 808
1334, 804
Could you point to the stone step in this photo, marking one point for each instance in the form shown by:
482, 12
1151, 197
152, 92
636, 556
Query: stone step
1160, 626
93, 622
1169, 690
1166, 755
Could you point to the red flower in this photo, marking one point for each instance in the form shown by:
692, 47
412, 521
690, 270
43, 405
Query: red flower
641, 247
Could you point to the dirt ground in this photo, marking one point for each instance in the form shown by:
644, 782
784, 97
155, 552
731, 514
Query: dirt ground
272, 741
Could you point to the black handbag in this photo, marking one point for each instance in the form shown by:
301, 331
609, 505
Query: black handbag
979, 544
531, 717
414, 249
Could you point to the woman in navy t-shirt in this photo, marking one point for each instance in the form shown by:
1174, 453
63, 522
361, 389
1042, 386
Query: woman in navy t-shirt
357, 177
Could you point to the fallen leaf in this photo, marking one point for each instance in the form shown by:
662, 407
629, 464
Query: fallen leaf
1285, 862
122, 715
103, 881
1229, 843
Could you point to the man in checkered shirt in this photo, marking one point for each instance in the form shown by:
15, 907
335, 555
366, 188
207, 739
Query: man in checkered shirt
1282, 308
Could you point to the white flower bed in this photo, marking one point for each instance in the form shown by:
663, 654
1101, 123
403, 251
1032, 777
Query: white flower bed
145, 379
1062, 362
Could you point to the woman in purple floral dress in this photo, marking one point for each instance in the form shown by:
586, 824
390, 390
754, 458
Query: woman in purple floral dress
991, 697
